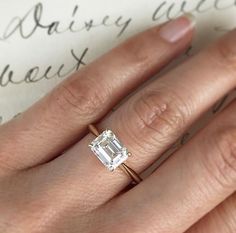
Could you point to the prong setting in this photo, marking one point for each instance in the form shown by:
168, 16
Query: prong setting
109, 150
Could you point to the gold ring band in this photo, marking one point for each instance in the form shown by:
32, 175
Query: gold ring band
125, 168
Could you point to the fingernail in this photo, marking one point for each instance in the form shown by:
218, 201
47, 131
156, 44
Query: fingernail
175, 30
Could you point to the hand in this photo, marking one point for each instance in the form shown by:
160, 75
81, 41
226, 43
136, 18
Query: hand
50, 182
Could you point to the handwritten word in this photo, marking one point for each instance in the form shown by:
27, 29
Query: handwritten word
223, 29
35, 18
172, 9
7, 76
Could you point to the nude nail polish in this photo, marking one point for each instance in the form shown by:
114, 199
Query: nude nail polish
175, 30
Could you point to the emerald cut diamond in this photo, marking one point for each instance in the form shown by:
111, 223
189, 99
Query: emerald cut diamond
109, 150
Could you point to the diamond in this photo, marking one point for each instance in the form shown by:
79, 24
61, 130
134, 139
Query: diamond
109, 149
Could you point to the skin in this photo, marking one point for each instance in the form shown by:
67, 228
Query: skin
49, 182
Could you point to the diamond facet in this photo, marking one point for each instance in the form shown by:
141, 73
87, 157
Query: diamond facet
109, 150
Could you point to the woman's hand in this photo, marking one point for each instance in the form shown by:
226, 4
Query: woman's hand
50, 182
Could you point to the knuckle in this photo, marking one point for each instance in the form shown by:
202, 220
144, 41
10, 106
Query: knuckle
224, 162
160, 112
78, 96
135, 51
224, 56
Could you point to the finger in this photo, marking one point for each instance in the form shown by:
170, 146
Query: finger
152, 120
196, 179
61, 117
221, 220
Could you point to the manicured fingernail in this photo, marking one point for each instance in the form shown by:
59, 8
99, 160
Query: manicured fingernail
175, 30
